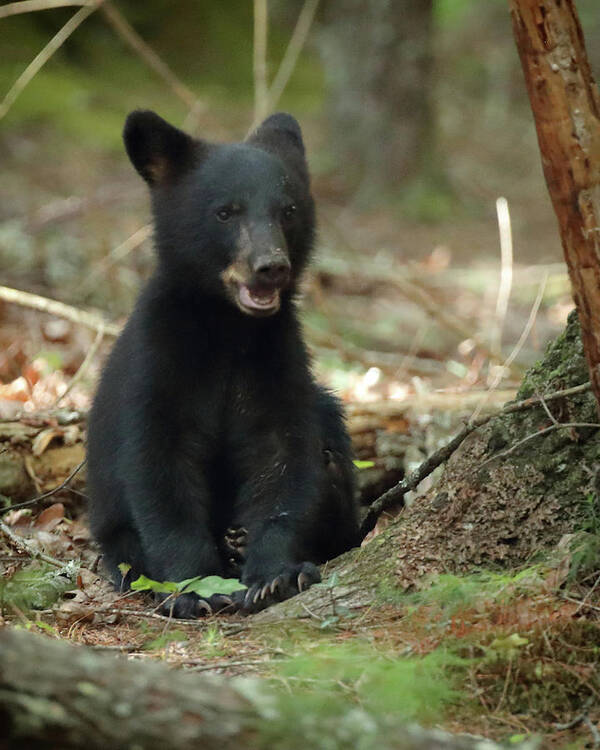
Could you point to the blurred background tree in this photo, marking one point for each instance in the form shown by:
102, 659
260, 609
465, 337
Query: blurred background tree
378, 62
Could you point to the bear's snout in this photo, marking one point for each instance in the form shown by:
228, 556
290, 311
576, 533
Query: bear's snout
271, 271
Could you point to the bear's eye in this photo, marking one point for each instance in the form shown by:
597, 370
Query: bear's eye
289, 211
225, 213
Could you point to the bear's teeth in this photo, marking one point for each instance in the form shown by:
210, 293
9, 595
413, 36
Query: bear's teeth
256, 300
262, 300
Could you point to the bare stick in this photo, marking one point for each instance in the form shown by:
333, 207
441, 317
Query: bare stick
506, 273
261, 22
149, 56
289, 60
28, 6
292, 52
53, 307
546, 408
517, 348
83, 366
396, 494
42, 58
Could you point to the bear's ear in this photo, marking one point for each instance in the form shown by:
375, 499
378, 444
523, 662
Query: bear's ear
159, 151
279, 133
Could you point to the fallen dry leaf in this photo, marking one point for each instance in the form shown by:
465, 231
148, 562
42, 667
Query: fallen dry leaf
50, 517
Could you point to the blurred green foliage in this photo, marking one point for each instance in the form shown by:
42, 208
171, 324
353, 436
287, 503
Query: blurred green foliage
356, 696
94, 79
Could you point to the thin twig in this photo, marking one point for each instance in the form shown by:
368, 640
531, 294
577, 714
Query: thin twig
42, 58
261, 25
149, 56
505, 688
29, 6
290, 57
516, 349
117, 254
551, 416
24, 546
588, 595
63, 485
53, 307
593, 729
82, 367
227, 665
582, 603
396, 494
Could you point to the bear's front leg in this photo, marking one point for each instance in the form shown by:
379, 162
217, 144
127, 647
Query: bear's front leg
280, 559
172, 518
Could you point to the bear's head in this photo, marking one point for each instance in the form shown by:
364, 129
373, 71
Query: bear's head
234, 221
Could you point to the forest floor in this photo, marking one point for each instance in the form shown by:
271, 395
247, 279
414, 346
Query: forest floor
413, 321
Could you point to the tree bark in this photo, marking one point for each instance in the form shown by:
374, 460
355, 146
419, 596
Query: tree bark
56, 695
566, 108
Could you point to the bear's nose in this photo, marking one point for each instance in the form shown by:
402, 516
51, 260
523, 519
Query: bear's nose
274, 272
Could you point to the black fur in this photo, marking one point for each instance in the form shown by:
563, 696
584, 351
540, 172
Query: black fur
207, 416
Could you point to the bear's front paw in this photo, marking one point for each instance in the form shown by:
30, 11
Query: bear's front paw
262, 591
190, 606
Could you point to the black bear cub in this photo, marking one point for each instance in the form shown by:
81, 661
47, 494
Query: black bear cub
207, 417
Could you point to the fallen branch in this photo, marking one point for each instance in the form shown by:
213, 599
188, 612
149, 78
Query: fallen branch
23, 546
53, 307
396, 494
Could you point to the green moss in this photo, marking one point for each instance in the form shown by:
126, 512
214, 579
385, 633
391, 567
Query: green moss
563, 364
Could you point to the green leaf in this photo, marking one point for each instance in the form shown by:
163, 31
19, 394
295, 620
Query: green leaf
147, 584
516, 739
124, 568
364, 464
47, 628
209, 585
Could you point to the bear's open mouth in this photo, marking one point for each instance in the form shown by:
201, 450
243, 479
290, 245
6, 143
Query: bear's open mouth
258, 300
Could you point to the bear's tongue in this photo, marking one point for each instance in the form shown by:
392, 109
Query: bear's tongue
257, 299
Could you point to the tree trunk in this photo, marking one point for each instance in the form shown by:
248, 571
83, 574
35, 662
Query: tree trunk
378, 61
514, 488
57, 695
566, 108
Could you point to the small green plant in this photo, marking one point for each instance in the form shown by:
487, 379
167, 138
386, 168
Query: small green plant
450, 593
168, 636
364, 464
204, 586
